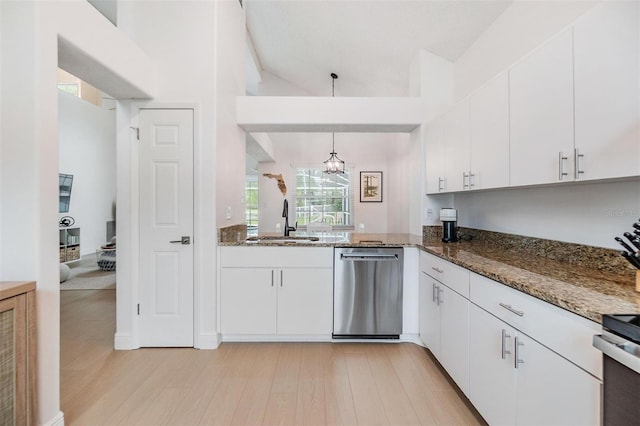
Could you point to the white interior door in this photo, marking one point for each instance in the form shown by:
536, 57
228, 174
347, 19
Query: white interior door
166, 222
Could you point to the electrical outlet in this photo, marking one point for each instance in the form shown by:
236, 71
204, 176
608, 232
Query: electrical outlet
228, 212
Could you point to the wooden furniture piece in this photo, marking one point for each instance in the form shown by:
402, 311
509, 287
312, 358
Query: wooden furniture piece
18, 352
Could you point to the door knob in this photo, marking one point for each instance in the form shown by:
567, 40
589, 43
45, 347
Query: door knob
184, 240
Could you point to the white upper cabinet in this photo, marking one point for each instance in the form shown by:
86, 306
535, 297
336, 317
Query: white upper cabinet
489, 134
456, 147
541, 98
607, 92
434, 135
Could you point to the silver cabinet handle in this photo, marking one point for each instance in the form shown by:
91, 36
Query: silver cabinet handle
272, 278
438, 270
281, 278
440, 298
516, 347
576, 159
505, 351
464, 180
433, 292
471, 181
440, 184
561, 171
510, 309
184, 240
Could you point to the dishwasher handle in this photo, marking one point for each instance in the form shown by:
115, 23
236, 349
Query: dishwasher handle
368, 257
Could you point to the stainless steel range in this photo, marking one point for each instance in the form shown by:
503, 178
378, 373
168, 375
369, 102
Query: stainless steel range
620, 344
368, 293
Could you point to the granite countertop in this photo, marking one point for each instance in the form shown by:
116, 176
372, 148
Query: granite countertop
584, 290
333, 239
584, 280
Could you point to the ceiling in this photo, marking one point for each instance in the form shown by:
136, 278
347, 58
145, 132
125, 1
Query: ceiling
368, 43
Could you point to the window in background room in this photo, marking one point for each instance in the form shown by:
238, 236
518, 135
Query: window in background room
324, 198
251, 204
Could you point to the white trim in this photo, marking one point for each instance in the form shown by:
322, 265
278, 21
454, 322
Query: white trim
200, 340
124, 341
276, 338
57, 420
208, 341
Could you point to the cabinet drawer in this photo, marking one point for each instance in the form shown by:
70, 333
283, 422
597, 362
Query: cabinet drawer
447, 273
276, 257
564, 332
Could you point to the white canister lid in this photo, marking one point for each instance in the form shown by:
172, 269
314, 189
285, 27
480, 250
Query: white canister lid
448, 215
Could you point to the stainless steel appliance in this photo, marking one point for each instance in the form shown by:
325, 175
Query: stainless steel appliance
620, 345
367, 293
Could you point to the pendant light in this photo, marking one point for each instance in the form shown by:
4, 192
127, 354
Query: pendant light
334, 164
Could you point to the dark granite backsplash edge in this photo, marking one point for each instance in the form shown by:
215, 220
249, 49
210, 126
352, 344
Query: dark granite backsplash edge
603, 259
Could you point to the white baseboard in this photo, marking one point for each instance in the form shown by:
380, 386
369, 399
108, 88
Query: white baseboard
124, 342
208, 341
276, 338
57, 420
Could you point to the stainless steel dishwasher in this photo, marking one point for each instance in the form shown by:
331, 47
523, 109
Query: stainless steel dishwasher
367, 298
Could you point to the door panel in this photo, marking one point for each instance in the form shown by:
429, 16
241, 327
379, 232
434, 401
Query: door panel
166, 215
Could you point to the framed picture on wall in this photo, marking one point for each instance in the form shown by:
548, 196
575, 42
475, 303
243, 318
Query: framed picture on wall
370, 187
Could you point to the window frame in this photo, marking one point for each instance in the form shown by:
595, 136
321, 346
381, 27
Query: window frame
349, 200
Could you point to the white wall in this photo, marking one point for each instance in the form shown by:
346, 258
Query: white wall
29, 155
230, 56
362, 152
199, 49
586, 213
87, 138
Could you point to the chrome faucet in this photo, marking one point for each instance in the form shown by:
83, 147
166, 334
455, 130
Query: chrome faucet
285, 214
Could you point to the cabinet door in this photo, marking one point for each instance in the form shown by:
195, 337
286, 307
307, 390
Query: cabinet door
489, 134
248, 301
454, 336
429, 314
492, 387
541, 109
305, 301
551, 390
456, 147
607, 92
434, 137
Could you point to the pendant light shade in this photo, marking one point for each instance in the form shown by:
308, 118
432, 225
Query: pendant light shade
334, 164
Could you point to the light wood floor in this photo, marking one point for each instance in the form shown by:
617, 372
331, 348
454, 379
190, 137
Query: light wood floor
244, 383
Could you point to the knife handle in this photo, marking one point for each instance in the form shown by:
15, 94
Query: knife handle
625, 245
636, 225
632, 238
632, 259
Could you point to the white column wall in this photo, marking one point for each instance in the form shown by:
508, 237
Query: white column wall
201, 67
29, 158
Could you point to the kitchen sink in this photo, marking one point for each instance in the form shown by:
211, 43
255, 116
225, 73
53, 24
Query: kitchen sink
282, 240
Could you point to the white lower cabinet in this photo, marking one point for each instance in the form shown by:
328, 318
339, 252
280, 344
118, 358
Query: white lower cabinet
492, 378
305, 301
248, 301
276, 301
454, 336
429, 314
276, 291
516, 380
444, 317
